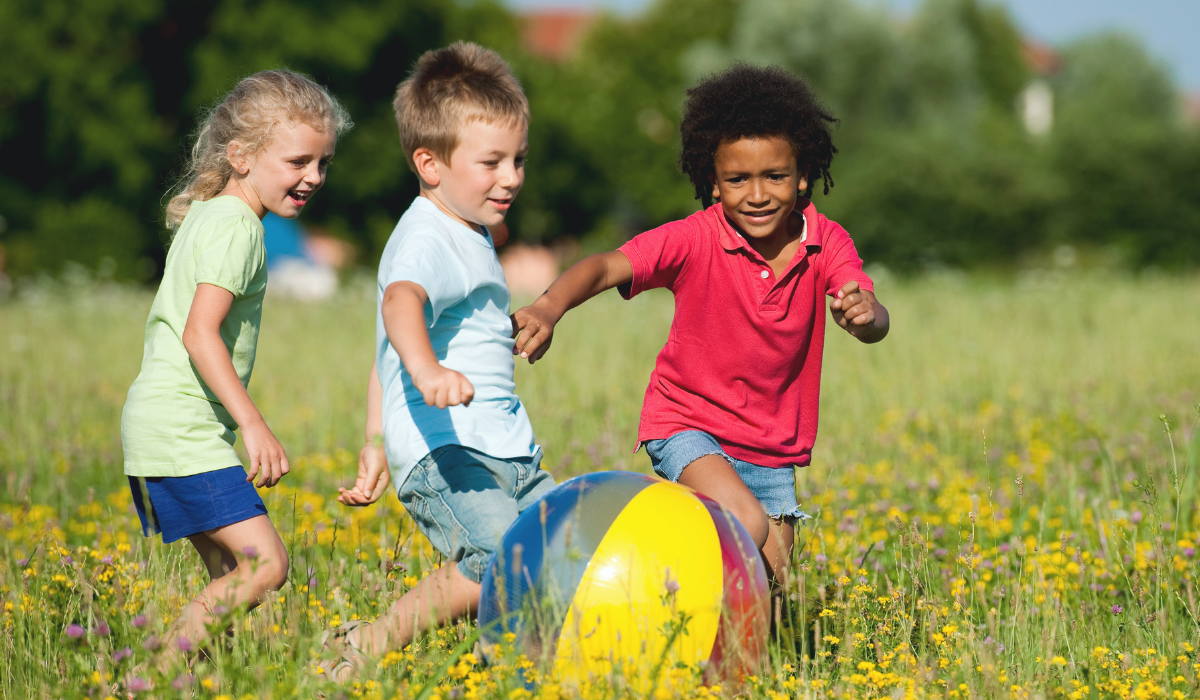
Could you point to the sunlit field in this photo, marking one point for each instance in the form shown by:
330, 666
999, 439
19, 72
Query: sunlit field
1003, 495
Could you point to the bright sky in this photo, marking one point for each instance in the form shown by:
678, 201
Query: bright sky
1169, 28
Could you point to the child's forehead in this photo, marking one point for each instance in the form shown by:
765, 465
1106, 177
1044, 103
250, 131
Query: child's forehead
481, 132
763, 149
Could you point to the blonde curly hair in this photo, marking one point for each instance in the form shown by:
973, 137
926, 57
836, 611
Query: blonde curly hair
248, 115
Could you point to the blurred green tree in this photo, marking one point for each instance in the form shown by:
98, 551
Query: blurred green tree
97, 101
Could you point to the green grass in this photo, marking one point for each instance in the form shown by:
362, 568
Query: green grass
1057, 381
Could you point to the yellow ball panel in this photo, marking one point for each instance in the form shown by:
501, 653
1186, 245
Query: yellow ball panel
622, 610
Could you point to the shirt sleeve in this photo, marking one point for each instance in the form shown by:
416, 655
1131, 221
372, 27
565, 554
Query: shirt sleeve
229, 254
657, 256
424, 258
842, 263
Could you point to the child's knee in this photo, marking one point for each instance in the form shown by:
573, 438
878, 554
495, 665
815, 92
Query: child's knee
751, 515
271, 571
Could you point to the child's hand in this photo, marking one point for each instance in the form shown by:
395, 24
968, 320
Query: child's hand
852, 309
268, 461
442, 386
533, 329
373, 478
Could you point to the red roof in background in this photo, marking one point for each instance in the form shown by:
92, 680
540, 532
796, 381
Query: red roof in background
555, 34
1040, 58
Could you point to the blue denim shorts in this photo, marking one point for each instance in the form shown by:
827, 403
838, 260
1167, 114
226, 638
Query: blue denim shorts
464, 501
775, 488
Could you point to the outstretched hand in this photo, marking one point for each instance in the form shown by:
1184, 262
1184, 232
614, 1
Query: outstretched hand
533, 329
854, 310
373, 478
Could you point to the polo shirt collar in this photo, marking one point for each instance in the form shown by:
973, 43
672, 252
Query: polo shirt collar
731, 240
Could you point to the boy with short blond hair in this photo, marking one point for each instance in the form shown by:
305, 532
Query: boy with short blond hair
441, 396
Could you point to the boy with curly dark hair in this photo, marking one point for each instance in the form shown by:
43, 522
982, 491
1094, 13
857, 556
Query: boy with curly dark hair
732, 402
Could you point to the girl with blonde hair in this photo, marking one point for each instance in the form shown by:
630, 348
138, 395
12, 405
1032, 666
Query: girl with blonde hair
264, 148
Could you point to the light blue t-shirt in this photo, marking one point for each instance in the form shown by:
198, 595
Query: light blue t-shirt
470, 330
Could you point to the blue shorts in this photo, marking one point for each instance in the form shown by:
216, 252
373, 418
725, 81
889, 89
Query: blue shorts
775, 488
179, 506
464, 501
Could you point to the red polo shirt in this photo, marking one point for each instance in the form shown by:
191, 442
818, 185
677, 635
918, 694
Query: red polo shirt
743, 359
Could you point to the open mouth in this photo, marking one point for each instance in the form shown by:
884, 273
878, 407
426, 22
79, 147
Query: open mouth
299, 198
501, 204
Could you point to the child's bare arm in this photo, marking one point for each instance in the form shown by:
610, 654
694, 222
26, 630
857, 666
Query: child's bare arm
202, 340
403, 312
373, 476
533, 325
860, 313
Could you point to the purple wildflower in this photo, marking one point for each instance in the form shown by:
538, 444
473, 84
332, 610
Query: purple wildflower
137, 685
1189, 552
139, 621
122, 654
184, 644
107, 560
220, 610
22, 562
102, 629
250, 551
1136, 517
68, 559
1117, 610
152, 643
182, 681
672, 584
74, 631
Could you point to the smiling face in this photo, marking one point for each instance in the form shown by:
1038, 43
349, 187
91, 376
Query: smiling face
484, 175
282, 177
758, 184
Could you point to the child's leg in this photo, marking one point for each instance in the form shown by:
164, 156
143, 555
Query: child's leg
713, 476
438, 598
777, 552
463, 501
244, 561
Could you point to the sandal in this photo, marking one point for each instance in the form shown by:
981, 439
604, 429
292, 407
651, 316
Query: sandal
350, 659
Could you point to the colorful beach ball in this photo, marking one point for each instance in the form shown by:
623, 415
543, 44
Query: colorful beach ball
616, 574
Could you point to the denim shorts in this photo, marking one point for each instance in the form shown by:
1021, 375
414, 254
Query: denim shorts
464, 501
775, 488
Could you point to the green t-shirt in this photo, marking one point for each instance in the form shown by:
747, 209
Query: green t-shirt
173, 425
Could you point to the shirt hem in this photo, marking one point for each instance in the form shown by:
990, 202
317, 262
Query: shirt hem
762, 459
157, 470
227, 286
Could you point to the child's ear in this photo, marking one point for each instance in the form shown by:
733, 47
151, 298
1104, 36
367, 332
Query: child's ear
425, 163
802, 186
716, 192
236, 153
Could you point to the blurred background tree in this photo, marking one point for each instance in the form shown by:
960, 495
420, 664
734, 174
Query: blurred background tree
940, 162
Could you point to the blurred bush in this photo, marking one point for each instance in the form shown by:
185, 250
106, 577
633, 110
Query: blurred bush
936, 166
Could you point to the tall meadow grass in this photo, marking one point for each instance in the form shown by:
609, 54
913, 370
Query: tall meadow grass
1003, 495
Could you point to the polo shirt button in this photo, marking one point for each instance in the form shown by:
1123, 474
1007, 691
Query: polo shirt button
765, 274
